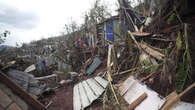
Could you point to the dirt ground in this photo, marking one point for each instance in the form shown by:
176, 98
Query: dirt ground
63, 99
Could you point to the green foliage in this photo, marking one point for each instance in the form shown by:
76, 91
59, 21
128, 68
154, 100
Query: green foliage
173, 15
184, 67
181, 77
178, 41
171, 18
109, 102
149, 67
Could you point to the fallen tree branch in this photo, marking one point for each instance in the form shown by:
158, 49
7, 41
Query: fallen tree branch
152, 52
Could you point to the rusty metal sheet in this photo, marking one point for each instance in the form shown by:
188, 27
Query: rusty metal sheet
87, 91
131, 89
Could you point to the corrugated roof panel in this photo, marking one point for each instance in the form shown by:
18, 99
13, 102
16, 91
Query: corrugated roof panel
95, 64
76, 98
91, 95
87, 91
95, 86
101, 81
84, 98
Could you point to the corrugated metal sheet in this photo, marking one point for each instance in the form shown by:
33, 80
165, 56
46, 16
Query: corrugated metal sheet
95, 64
131, 89
183, 106
87, 91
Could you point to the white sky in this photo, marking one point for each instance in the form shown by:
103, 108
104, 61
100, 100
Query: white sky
51, 16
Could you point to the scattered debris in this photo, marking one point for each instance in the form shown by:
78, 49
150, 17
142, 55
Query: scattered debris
30, 68
132, 89
14, 98
146, 45
27, 82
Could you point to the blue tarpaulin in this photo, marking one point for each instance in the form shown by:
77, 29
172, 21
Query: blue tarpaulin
109, 33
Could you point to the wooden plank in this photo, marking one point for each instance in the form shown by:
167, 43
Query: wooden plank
139, 100
152, 102
171, 100
91, 95
141, 34
101, 81
20, 102
126, 85
4, 99
187, 89
108, 64
76, 98
84, 98
133, 92
21, 93
14, 107
98, 90
174, 98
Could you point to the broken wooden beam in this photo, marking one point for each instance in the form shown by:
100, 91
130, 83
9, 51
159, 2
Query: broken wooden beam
21, 93
139, 100
173, 98
152, 52
141, 34
150, 75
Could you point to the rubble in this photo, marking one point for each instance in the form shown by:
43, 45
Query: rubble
26, 81
12, 97
132, 89
147, 60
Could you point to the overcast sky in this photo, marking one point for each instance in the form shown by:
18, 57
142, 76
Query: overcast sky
35, 19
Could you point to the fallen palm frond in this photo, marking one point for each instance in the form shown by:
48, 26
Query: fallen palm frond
184, 66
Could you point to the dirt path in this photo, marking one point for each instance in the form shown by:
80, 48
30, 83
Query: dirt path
63, 100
